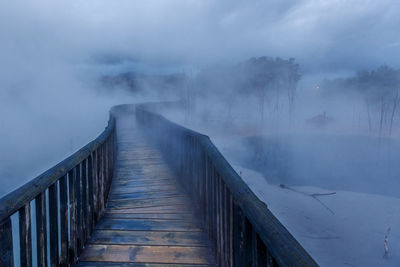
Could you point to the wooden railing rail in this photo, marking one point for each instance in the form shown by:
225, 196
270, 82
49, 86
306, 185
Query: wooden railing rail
242, 229
66, 201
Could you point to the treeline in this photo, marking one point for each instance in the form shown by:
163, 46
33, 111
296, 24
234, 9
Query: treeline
377, 89
272, 82
269, 82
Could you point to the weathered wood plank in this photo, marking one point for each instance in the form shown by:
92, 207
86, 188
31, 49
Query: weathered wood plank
136, 264
146, 195
157, 209
150, 224
160, 216
151, 202
150, 238
148, 254
149, 188
134, 183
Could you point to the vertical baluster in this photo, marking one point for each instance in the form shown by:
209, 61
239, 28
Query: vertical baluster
217, 232
220, 224
78, 197
261, 251
238, 238
214, 206
6, 244
84, 202
109, 164
72, 217
247, 242
90, 217
105, 155
101, 179
41, 232
231, 230
53, 220
207, 195
63, 221
225, 224
212, 210
254, 251
25, 239
95, 188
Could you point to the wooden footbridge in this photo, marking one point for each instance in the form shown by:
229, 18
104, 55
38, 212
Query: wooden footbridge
146, 192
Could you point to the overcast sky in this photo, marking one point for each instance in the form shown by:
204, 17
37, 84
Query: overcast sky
328, 34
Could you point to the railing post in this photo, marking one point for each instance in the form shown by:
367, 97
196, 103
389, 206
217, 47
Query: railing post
6, 245
101, 180
90, 217
53, 214
63, 221
84, 189
41, 231
25, 240
78, 197
73, 251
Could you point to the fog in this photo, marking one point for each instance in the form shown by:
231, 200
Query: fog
64, 64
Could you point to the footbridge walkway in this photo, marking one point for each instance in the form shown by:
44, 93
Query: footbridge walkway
146, 192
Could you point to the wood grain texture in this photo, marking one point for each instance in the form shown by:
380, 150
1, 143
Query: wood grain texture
136, 264
149, 219
150, 238
148, 254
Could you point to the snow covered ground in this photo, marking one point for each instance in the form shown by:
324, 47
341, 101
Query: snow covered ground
351, 234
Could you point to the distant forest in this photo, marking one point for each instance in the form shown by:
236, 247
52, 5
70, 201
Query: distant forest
377, 89
273, 85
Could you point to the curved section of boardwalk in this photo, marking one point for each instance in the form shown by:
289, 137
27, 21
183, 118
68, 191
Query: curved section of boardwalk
149, 219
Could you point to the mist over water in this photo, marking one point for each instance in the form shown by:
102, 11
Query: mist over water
302, 93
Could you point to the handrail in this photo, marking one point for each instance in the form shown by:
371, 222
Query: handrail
242, 228
75, 191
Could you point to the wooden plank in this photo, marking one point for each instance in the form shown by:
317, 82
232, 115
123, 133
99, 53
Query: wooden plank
144, 189
133, 183
147, 192
137, 264
150, 224
150, 238
145, 195
139, 203
148, 254
156, 209
25, 239
161, 216
129, 174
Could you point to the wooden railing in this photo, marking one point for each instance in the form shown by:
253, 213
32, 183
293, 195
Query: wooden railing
242, 229
66, 202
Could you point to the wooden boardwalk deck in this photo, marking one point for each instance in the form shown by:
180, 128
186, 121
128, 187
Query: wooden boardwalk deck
149, 219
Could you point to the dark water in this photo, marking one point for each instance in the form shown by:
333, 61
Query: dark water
352, 163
